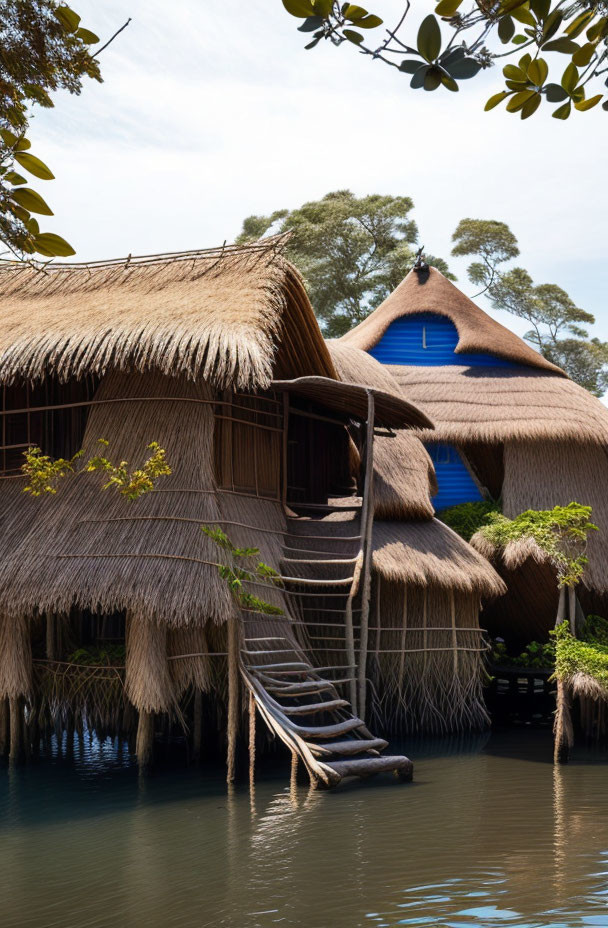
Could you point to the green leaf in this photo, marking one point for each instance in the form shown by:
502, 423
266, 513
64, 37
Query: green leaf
531, 106
355, 37
354, 12
540, 8
369, 22
449, 83
578, 25
432, 79
32, 226
409, 65
418, 78
68, 18
519, 39
495, 100
584, 55
54, 244
569, 78
562, 112
89, 38
20, 212
310, 24
464, 68
523, 15
301, 9
563, 45
588, 104
552, 24
517, 85
448, 8
555, 93
514, 73
22, 144
8, 137
429, 38
31, 201
538, 71
34, 165
323, 7
13, 178
506, 29
518, 100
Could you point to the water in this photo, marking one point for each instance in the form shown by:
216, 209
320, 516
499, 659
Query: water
490, 835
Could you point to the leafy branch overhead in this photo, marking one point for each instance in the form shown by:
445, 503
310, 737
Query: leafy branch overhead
235, 575
44, 49
462, 38
44, 473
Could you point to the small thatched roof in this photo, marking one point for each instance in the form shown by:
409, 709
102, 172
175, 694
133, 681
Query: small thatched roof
499, 404
232, 316
428, 291
404, 477
431, 554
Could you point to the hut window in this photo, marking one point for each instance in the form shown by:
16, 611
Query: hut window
50, 415
249, 443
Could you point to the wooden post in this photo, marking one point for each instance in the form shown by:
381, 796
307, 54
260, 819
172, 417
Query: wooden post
252, 711
144, 744
51, 650
285, 448
233, 697
572, 609
16, 729
197, 726
367, 519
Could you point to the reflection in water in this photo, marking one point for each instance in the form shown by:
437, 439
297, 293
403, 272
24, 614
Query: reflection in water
490, 834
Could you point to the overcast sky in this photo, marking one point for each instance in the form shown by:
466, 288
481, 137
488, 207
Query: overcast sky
212, 111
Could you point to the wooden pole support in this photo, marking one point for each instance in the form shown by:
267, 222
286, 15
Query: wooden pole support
367, 519
233, 697
144, 744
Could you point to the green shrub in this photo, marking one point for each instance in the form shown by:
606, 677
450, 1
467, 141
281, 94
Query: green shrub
466, 518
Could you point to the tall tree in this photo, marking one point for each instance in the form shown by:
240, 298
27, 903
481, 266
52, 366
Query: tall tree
559, 327
478, 34
43, 48
352, 251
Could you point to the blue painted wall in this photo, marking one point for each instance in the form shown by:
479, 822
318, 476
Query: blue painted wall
429, 340
453, 478
405, 339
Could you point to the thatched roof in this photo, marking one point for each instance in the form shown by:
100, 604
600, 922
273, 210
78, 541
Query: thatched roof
498, 404
431, 554
430, 291
233, 316
404, 477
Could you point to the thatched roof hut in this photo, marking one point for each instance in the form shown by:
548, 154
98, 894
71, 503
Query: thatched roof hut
216, 356
428, 586
509, 425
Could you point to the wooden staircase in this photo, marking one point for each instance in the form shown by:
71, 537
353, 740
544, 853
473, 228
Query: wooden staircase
300, 702
305, 710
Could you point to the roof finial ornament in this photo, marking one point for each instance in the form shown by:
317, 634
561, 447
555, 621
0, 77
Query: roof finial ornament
420, 266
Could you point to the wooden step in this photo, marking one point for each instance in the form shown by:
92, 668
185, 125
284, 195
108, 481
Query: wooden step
285, 667
355, 746
328, 706
369, 766
300, 689
325, 731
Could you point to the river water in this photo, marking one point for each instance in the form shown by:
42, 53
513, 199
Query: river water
490, 835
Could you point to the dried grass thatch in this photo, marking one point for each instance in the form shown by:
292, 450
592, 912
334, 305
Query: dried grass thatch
540, 475
147, 681
16, 662
496, 404
426, 658
404, 477
429, 554
234, 316
96, 550
431, 292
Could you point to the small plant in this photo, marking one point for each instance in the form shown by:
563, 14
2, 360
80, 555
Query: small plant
574, 656
536, 655
235, 575
44, 473
467, 518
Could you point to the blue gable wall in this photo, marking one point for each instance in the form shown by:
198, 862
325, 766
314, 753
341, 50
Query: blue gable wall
405, 339
453, 478
429, 340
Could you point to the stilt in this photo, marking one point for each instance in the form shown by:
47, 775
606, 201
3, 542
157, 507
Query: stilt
4, 733
197, 726
233, 698
144, 744
16, 730
252, 711
562, 729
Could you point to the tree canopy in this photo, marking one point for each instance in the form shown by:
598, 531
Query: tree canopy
463, 38
352, 251
43, 49
559, 327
